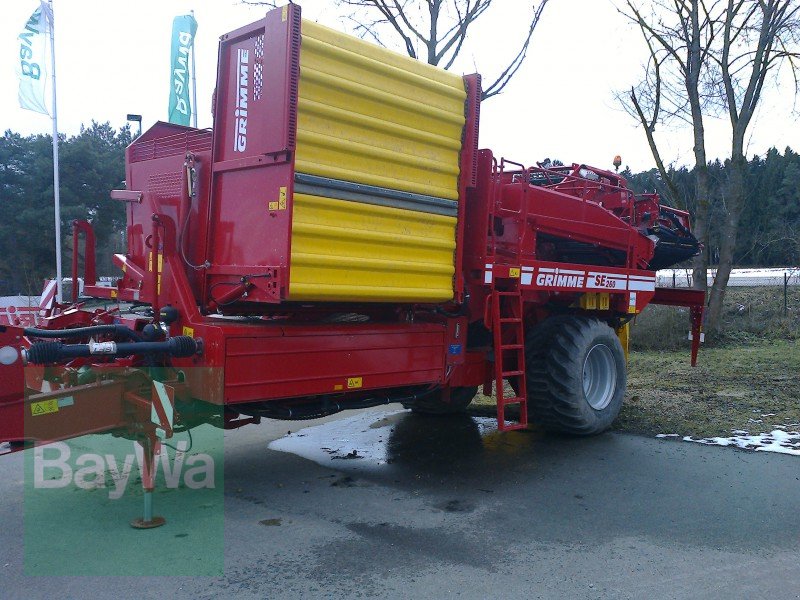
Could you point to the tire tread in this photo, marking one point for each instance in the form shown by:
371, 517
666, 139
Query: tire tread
554, 353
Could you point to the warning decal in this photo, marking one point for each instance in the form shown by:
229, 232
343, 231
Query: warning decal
44, 407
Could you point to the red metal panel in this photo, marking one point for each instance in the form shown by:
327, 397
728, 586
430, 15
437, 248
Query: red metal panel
155, 170
255, 76
12, 384
167, 139
468, 177
337, 359
158, 179
679, 297
566, 216
472, 372
84, 409
250, 218
456, 341
630, 289
476, 219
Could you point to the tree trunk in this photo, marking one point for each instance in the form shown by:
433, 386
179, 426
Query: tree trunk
700, 228
734, 203
694, 64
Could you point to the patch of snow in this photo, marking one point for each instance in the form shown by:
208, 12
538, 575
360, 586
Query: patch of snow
345, 439
667, 435
783, 442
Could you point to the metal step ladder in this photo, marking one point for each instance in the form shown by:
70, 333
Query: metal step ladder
509, 353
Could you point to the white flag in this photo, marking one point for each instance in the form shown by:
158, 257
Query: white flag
33, 60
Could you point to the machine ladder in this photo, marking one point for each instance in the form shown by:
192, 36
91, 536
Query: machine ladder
509, 354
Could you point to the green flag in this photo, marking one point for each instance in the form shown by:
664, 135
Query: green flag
180, 107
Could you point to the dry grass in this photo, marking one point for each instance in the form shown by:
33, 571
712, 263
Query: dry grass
747, 379
753, 388
749, 315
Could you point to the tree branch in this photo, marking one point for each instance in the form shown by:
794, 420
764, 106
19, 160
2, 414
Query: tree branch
497, 86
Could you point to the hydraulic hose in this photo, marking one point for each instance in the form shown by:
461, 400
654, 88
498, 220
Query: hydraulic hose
42, 353
117, 330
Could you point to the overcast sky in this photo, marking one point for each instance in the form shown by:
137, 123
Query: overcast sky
113, 59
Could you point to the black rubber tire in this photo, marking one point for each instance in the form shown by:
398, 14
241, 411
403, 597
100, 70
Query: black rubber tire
555, 356
460, 398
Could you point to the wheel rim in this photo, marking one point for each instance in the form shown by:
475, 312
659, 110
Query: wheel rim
599, 376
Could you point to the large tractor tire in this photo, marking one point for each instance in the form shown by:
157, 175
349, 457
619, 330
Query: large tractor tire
434, 404
576, 375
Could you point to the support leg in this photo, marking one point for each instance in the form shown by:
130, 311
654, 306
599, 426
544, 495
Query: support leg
150, 447
697, 331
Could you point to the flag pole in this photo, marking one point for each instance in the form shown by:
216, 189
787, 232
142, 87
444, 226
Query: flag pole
194, 82
56, 183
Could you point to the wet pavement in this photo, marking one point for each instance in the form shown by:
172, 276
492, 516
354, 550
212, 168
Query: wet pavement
385, 503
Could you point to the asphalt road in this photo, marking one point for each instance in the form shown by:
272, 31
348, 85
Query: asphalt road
453, 509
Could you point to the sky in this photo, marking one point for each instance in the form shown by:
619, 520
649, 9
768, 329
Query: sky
112, 58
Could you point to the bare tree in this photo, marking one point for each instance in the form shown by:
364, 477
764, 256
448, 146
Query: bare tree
673, 88
435, 30
710, 57
758, 37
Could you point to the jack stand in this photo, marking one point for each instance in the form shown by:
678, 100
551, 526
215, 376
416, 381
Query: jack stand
150, 448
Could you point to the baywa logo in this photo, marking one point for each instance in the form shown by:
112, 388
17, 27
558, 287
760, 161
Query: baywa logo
55, 466
242, 93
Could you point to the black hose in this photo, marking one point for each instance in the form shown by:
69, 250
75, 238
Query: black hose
43, 353
48, 334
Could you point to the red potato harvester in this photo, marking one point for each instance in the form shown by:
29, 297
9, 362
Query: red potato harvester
339, 241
